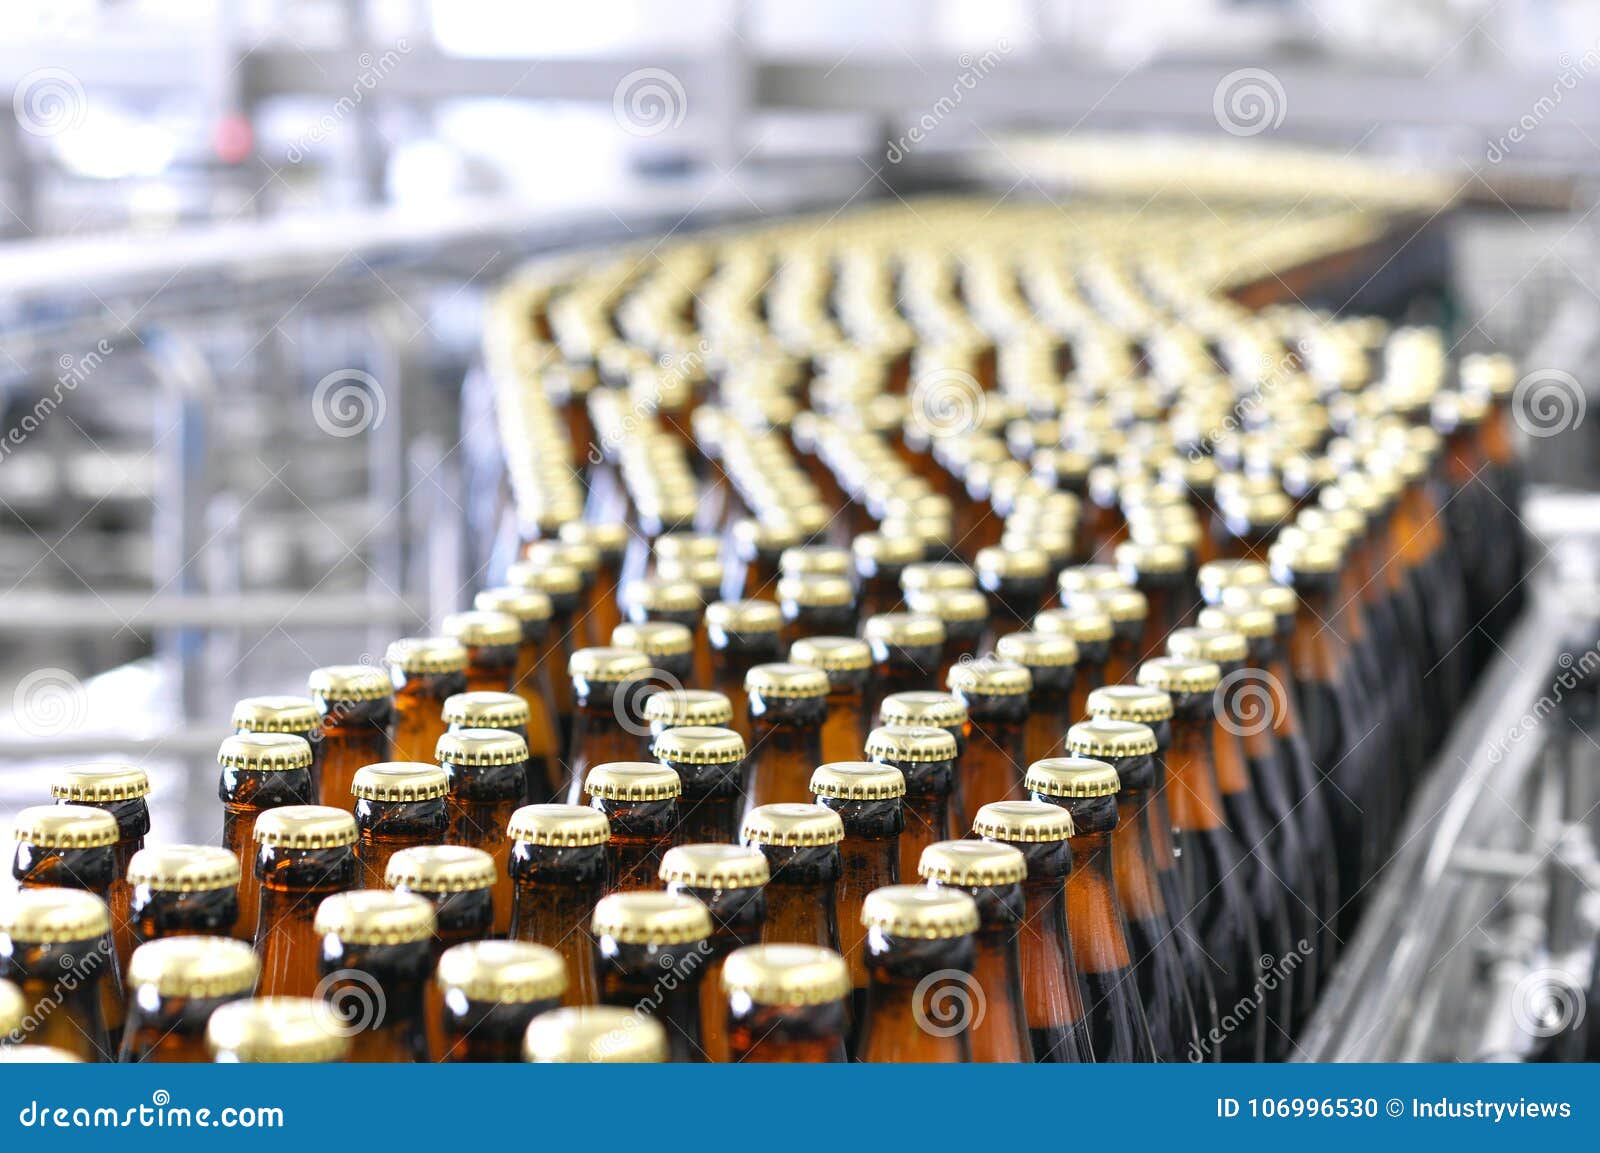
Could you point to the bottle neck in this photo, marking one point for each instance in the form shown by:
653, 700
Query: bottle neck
1193, 794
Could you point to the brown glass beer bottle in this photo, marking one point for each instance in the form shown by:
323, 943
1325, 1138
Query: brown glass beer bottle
801, 844
398, 804
785, 1004
1050, 661
906, 648
652, 950
489, 993
788, 705
535, 677
426, 672
460, 882
174, 986
730, 881
594, 1035
710, 766
995, 693
356, 707
1092, 630
296, 716
487, 771
1052, 1000
640, 802
926, 758
991, 874
558, 865
607, 711
742, 634
921, 999
304, 853
183, 891
848, 663
260, 772
376, 955
122, 791
56, 949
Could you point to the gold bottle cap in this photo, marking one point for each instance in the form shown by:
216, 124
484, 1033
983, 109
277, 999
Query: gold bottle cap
653, 638
583, 557
1085, 624
595, 1034
1201, 644
37, 1055
527, 605
440, 869
912, 744
823, 559
937, 575
1130, 703
480, 747
264, 752
1306, 554
13, 1008
609, 537
1073, 776
651, 919
1091, 578
923, 707
1280, 600
375, 917
1216, 575
486, 710
1013, 562
687, 546
949, 604
920, 912
477, 628
559, 826
1119, 604
831, 654
714, 867
425, 655
1179, 675
663, 595
1260, 509
906, 630
791, 826
1105, 737
502, 972
786, 682
705, 572
553, 578
858, 781
349, 683
184, 868
1037, 650
1023, 822
703, 707
766, 534
989, 676
972, 864
699, 745
53, 916
276, 714
632, 781
276, 1030
1246, 620
305, 827
879, 548
200, 967
816, 590
99, 783
65, 827
745, 616
399, 781
607, 665
798, 975
1151, 557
